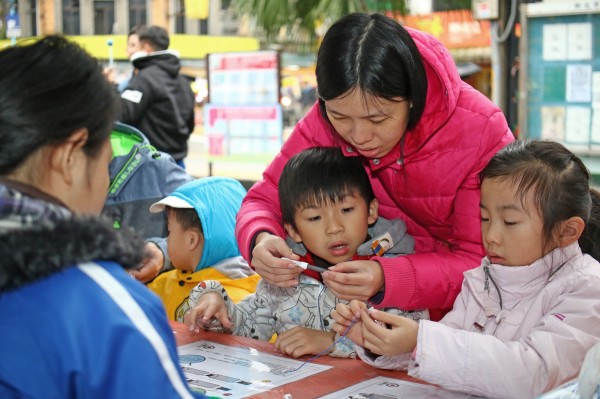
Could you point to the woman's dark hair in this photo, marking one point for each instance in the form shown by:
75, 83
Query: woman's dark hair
48, 90
560, 184
321, 174
375, 54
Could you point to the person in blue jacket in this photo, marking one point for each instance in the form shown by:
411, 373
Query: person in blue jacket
140, 175
73, 323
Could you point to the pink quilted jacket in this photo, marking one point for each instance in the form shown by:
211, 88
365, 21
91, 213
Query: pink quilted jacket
432, 185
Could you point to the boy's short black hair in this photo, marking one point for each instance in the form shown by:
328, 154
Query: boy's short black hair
186, 217
321, 174
157, 37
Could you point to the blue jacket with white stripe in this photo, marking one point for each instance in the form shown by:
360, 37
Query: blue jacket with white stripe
72, 327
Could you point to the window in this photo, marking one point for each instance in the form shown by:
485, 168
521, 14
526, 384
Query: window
137, 13
203, 26
179, 16
71, 24
104, 17
33, 17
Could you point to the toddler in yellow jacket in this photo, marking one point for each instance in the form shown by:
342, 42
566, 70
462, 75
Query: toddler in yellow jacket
201, 243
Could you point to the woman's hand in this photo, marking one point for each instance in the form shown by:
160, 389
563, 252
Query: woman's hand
266, 261
357, 279
210, 306
388, 334
301, 341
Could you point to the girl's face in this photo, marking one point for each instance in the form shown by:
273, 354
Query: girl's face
511, 230
374, 126
334, 231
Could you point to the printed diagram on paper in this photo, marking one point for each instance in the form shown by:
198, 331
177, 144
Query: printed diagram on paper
391, 388
234, 372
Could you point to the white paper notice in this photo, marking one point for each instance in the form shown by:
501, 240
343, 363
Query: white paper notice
579, 41
579, 83
595, 89
577, 129
391, 388
554, 42
553, 123
596, 126
233, 372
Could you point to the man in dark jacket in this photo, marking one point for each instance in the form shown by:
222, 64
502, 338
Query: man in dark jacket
158, 100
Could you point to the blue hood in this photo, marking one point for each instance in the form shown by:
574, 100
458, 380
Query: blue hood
217, 201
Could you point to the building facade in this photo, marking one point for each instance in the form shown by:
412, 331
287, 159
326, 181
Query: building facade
115, 17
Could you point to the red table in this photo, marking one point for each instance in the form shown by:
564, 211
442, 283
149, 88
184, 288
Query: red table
345, 372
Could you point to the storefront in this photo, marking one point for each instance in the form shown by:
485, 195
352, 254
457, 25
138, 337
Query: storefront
468, 39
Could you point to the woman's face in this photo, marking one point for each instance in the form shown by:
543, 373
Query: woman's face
373, 125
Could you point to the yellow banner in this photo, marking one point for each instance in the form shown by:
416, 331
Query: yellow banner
196, 9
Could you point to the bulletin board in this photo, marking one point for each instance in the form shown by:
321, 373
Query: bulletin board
243, 115
560, 76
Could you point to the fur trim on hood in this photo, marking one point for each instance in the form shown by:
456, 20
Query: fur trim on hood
34, 253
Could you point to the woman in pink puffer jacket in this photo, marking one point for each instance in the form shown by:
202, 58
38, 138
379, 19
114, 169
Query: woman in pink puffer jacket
393, 97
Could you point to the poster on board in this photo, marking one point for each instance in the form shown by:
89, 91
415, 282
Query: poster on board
243, 115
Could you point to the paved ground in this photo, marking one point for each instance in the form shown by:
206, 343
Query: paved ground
198, 166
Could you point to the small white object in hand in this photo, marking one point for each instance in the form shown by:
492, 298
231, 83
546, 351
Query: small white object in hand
303, 265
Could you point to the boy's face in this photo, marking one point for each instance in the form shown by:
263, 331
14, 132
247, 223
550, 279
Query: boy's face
183, 246
511, 230
334, 231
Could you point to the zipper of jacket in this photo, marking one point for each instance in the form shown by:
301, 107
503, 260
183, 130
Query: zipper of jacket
116, 180
401, 160
488, 278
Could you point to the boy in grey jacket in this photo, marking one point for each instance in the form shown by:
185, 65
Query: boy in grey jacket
330, 214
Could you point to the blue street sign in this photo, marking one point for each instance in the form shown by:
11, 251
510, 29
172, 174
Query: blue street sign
13, 26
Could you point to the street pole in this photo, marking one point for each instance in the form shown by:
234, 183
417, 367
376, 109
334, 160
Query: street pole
502, 61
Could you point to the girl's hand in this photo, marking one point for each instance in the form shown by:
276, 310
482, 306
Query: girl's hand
210, 306
266, 261
358, 279
400, 337
344, 315
301, 341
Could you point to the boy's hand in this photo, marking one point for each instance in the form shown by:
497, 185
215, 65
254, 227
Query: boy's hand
344, 315
210, 306
151, 265
301, 341
388, 334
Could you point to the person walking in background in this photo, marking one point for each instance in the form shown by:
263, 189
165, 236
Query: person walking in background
158, 100
133, 46
71, 316
526, 317
392, 97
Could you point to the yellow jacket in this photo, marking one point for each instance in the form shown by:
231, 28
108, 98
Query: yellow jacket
174, 286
